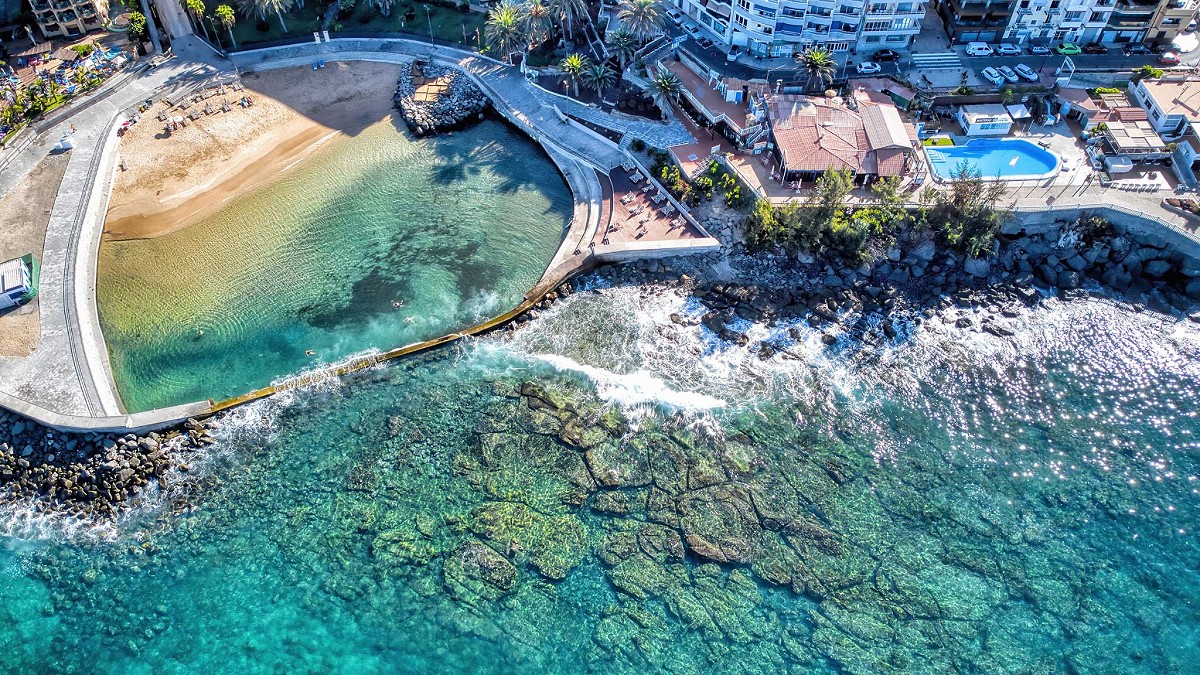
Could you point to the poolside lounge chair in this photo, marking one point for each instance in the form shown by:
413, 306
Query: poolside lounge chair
628, 198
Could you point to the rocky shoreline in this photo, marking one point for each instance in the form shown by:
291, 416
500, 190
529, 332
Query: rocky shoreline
453, 99
89, 476
918, 279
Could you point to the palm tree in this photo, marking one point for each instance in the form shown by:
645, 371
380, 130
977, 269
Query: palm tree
599, 77
503, 29
574, 66
224, 16
819, 65
663, 88
196, 9
538, 19
261, 9
569, 12
623, 45
384, 6
643, 18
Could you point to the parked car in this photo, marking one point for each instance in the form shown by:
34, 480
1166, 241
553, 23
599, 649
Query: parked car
1094, 48
693, 30
1068, 49
1009, 74
1168, 58
1136, 49
1026, 73
676, 16
868, 68
1039, 50
1006, 49
992, 75
885, 55
979, 49
732, 55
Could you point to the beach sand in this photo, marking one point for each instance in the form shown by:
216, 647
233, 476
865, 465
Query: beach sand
24, 214
174, 179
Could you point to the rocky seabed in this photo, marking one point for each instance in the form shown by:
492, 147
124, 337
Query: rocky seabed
460, 104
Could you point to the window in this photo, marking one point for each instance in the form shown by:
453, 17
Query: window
739, 20
847, 9
1155, 115
744, 4
872, 39
895, 38
878, 25
1096, 16
904, 7
1073, 16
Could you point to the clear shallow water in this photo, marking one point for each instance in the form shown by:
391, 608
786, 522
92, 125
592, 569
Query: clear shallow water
458, 228
955, 502
1008, 158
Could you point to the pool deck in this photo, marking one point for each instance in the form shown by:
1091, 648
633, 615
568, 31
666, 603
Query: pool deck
67, 382
940, 156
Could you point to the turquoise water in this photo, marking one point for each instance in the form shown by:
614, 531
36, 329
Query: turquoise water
952, 502
1007, 158
457, 228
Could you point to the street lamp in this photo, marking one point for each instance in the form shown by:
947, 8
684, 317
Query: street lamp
427, 18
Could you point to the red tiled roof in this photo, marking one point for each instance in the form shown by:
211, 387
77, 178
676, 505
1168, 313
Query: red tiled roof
815, 135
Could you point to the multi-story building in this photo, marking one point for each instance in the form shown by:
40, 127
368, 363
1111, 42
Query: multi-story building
784, 27
975, 20
1130, 21
1056, 21
69, 18
1171, 19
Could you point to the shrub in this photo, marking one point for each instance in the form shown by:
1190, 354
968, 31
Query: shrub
137, 27
1106, 90
638, 145
1147, 72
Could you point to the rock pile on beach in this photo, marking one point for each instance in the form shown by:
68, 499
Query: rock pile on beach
87, 476
458, 105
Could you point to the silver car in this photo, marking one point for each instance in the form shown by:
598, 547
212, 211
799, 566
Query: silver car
1009, 74
992, 75
1026, 73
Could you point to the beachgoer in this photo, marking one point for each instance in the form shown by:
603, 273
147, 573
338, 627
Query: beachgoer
408, 319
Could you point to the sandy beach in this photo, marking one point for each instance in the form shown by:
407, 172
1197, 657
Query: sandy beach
172, 179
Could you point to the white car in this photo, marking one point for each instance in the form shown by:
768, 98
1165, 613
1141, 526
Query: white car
675, 15
867, 68
1026, 73
1009, 74
992, 75
1006, 49
693, 30
979, 49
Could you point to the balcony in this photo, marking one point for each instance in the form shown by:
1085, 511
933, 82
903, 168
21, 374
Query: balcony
68, 17
40, 6
61, 4
87, 11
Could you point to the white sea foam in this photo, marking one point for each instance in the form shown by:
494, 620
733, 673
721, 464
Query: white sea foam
631, 390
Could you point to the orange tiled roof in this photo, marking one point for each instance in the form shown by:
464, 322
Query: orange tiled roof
815, 135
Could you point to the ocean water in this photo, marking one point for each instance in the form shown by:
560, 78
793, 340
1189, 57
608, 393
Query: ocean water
949, 502
457, 228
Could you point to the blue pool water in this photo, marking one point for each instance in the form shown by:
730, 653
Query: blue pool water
1007, 158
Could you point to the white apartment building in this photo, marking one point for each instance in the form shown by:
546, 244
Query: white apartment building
784, 27
1056, 21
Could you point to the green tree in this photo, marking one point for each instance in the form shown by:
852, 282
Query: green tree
537, 22
261, 9
598, 77
643, 18
819, 66
969, 211
384, 6
196, 9
503, 29
137, 26
663, 88
569, 13
224, 17
1147, 72
623, 45
574, 66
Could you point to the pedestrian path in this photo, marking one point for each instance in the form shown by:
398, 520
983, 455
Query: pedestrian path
938, 60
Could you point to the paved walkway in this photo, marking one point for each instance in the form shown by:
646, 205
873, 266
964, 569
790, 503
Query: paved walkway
68, 372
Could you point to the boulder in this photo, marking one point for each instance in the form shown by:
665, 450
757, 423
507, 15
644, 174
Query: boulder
1156, 268
474, 572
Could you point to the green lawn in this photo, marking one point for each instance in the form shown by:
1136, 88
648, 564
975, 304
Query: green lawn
448, 24
938, 140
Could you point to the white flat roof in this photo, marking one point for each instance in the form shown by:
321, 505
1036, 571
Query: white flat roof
13, 276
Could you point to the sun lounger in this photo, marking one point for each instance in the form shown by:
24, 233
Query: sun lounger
628, 198
648, 188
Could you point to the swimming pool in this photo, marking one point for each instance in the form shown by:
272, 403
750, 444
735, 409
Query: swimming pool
995, 159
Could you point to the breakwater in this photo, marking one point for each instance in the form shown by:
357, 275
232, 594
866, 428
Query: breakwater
90, 476
433, 98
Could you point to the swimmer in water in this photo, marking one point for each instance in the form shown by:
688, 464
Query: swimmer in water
408, 319
309, 352
397, 304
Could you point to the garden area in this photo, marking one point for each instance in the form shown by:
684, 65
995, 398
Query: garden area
716, 181
967, 216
